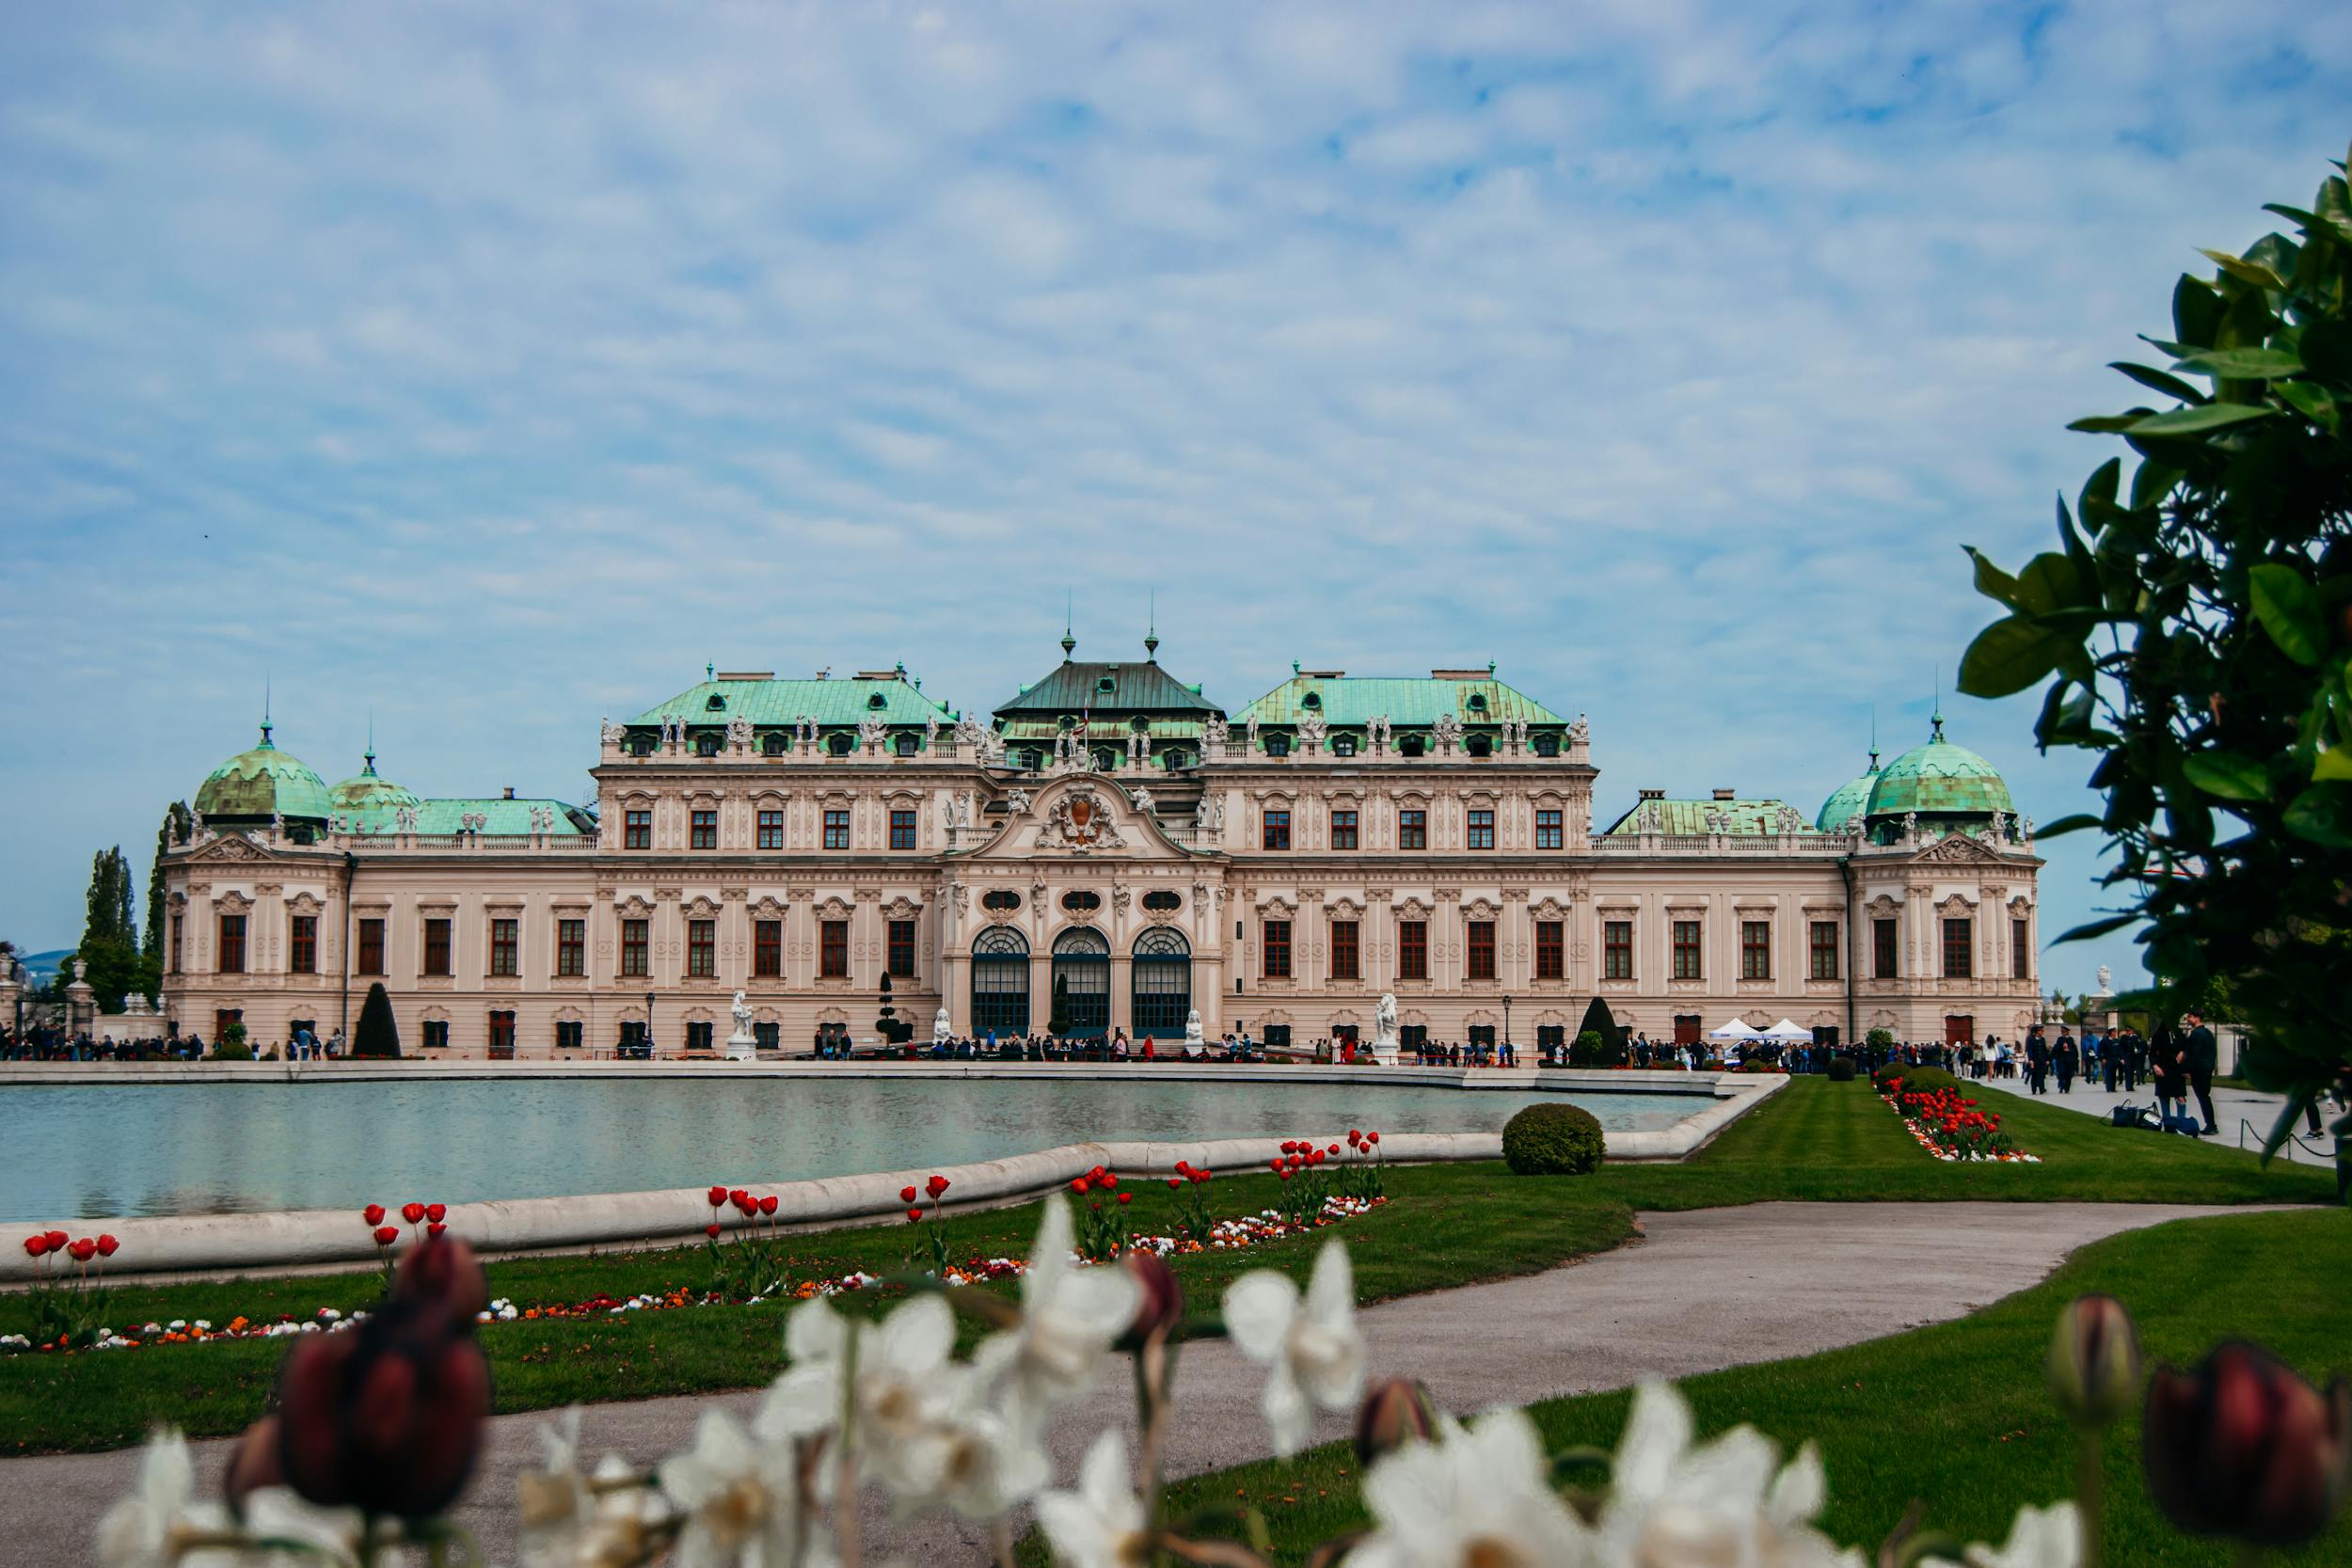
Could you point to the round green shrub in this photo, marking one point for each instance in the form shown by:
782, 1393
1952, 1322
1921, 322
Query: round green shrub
1587, 1050
233, 1050
1841, 1069
1552, 1139
1916, 1080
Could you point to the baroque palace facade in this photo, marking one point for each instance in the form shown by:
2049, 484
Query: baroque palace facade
1110, 835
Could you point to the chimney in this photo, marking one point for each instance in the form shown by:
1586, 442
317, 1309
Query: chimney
1726, 795
510, 792
1653, 795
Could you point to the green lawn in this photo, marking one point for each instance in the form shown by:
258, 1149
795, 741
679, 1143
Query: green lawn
1446, 1224
1955, 1414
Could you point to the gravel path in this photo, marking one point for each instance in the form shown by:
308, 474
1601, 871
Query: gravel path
1709, 1288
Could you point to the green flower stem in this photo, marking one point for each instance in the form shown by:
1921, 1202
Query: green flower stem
2087, 1496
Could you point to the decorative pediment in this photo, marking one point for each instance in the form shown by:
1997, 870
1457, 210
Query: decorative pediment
702, 907
306, 902
1274, 904
767, 907
1549, 907
1478, 908
1882, 908
1957, 907
2020, 907
229, 847
1410, 907
1078, 814
1958, 849
902, 908
1345, 908
834, 907
634, 906
234, 902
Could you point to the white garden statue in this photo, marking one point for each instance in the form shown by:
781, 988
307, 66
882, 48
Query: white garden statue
742, 1046
1196, 1042
1383, 1047
939, 1027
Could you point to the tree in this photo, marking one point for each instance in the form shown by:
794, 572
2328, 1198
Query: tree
889, 1025
379, 1034
2198, 626
110, 942
177, 827
1600, 1021
1057, 1024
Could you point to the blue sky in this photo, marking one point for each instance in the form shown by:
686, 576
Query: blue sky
495, 367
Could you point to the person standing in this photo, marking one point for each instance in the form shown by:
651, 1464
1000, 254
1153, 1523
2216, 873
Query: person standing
2200, 1053
2066, 1056
2164, 1073
2037, 1061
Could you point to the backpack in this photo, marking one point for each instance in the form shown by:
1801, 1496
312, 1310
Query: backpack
2133, 1116
2188, 1125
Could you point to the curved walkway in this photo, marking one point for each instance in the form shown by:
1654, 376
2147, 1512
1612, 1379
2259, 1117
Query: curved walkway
1705, 1289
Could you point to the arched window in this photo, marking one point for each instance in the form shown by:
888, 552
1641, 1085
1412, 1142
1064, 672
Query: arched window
1477, 702
906, 744
1311, 700
1082, 981
840, 745
641, 745
1343, 745
1000, 980
876, 701
1277, 745
771, 744
1174, 760
1547, 745
1162, 982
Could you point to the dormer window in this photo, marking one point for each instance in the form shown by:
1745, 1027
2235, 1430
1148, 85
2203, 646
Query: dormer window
718, 703
1412, 746
706, 745
772, 744
1277, 745
1482, 747
1312, 699
1547, 745
641, 745
1477, 702
1033, 760
840, 745
904, 745
1343, 745
875, 702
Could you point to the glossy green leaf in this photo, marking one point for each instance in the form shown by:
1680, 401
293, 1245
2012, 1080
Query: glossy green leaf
2159, 381
2333, 766
2228, 775
2196, 314
2007, 657
2323, 815
2099, 927
1992, 581
2073, 824
2151, 484
2051, 582
2315, 403
2288, 609
2107, 424
2246, 272
2244, 364
2196, 422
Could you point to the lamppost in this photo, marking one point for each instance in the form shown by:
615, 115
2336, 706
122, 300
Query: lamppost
649, 1026
1506, 1029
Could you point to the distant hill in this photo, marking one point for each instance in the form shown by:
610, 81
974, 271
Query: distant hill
39, 966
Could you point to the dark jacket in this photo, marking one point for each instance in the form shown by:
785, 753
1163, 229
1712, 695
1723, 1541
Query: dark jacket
2201, 1051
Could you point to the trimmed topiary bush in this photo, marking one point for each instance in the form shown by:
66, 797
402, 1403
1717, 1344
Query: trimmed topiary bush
232, 1051
1841, 1069
1552, 1140
379, 1034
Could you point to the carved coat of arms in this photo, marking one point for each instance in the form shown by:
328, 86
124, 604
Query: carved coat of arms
1079, 821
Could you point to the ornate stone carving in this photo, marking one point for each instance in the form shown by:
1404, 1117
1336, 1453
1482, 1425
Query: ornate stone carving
1017, 804
609, 732
738, 730
972, 734
1141, 795
1447, 731
1311, 729
1209, 815
869, 731
1079, 822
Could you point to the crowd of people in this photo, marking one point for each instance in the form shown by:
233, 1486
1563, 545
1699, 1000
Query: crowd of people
43, 1042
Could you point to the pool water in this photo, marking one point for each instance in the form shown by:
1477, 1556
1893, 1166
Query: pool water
180, 1148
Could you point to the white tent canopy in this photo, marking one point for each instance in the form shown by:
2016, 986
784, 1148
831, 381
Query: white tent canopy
1737, 1029
1789, 1034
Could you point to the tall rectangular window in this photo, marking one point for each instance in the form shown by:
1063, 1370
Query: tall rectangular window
437, 1033
1824, 950
1959, 949
702, 945
1278, 829
1548, 830
902, 949
437, 946
371, 954
1342, 829
178, 923
570, 1034
1551, 950
232, 945
571, 947
1481, 830
633, 948
502, 1033
901, 829
837, 829
771, 829
1344, 963
1412, 950
833, 949
1480, 949
1755, 949
703, 830
766, 948
1412, 828
1686, 950
504, 935
2020, 951
637, 828
1616, 950
1883, 949
1277, 949
302, 955
698, 1034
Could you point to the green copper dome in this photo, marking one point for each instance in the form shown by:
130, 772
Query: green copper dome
1939, 779
262, 782
367, 791
1848, 801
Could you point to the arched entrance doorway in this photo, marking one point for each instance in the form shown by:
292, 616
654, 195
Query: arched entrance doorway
1162, 983
1082, 981
1000, 982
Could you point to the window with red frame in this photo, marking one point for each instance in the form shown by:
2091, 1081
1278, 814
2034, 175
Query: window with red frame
1479, 950
1551, 953
767, 948
832, 950
1278, 950
1412, 950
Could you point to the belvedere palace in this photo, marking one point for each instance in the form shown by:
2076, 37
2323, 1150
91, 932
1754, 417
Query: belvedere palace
1109, 837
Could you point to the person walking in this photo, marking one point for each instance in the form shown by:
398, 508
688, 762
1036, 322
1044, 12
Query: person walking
2065, 1055
2200, 1052
2037, 1061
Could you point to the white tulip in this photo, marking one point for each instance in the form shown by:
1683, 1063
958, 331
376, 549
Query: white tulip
1311, 1346
1481, 1495
1100, 1525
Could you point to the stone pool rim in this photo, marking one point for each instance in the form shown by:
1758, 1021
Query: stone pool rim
293, 1239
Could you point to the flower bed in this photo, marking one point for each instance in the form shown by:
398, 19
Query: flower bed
1953, 1127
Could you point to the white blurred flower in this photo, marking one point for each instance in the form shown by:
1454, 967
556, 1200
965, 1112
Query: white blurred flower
1671, 1504
568, 1518
969, 1455
740, 1496
1069, 1318
145, 1529
1101, 1524
1478, 1495
2040, 1538
1311, 1346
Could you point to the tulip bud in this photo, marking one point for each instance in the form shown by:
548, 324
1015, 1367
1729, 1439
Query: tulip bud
412, 1212
1160, 1303
716, 1197
254, 1465
372, 1214
443, 1270
906, 1195
107, 1246
1396, 1411
437, 1212
2244, 1448
768, 1205
2093, 1365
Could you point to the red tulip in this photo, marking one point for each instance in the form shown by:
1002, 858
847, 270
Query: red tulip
717, 1195
83, 1250
2244, 1448
1290, 1145
1333, 1150
740, 1198
106, 1245
56, 1240
1160, 1305
437, 1212
1174, 1182
1372, 1137
936, 1186
1183, 1167
1126, 1198
768, 1204
37, 1246
372, 1214
914, 1216
435, 1227
746, 1205
712, 1230
1275, 1165
906, 1195
412, 1212
1082, 1186
386, 1234
1109, 1179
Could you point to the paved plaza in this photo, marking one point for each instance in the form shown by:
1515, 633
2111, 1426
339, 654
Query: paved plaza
2245, 1117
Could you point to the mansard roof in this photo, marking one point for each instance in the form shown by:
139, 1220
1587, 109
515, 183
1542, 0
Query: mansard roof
1407, 702
765, 700
1750, 818
503, 817
1136, 686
